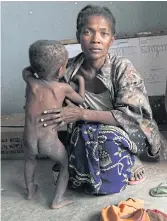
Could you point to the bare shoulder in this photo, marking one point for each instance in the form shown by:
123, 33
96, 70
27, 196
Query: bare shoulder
34, 82
35, 85
63, 85
60, 87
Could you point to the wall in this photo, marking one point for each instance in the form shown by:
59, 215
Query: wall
24, 22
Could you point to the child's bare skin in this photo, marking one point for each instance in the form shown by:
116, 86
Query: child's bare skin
42, 94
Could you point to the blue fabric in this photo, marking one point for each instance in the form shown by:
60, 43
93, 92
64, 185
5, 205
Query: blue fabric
100, 160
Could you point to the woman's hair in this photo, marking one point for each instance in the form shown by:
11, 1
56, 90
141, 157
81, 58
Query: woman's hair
47, 56
90, 10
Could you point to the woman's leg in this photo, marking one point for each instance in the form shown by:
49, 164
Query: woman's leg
100, 160
77, 148
138, 171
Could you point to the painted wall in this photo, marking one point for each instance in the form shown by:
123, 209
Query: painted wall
24, 22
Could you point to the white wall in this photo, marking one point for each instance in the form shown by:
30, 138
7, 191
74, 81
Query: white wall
24, 22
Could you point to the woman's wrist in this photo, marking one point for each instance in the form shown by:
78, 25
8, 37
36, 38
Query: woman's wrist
82, 114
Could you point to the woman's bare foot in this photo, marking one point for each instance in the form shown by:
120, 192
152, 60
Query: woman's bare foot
163, 150
138, 172
32, 192
59, 204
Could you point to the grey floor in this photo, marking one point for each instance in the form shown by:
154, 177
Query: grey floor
85, 208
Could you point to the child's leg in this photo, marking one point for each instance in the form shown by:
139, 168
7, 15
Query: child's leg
29, 168
58, 153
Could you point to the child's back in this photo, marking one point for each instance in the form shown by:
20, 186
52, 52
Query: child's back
42, 95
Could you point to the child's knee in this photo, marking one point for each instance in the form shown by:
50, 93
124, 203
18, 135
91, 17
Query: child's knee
64, 171
28, 156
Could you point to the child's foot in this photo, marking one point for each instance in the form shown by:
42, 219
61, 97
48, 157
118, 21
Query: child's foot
60, 204
32, 192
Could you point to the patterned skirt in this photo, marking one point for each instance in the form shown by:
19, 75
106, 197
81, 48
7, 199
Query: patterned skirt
100, 158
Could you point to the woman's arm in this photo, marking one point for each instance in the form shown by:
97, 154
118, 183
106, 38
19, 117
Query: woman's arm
28, 70
104, 117
28, 74
132, 108
72, 113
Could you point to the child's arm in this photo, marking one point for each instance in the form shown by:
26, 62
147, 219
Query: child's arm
74, 96
28, 74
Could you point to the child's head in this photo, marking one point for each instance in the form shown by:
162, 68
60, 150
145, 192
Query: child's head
48, 58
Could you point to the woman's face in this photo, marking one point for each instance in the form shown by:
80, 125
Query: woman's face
96, 37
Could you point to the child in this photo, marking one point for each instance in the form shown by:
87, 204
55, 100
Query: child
48, 60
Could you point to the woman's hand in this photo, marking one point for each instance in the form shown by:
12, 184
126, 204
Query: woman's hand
61, 116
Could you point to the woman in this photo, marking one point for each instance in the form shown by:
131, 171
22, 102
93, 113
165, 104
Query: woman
115, 122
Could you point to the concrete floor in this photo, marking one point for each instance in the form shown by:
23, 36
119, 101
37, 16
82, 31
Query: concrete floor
86, 208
